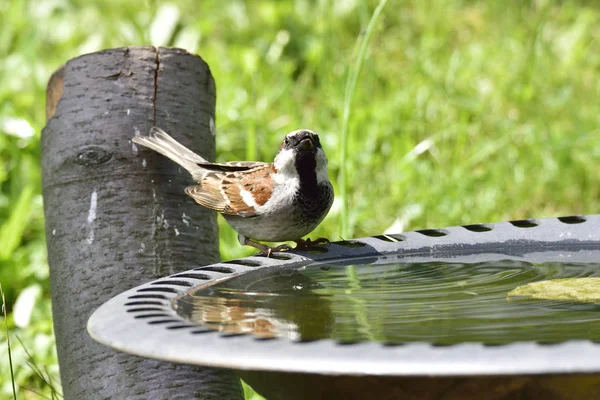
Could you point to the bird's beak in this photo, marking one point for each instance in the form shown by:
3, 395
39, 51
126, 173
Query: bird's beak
306, 144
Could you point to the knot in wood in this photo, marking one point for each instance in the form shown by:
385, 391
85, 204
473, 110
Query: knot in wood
93, 155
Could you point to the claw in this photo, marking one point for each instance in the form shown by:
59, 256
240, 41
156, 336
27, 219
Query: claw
305, 243
281, 247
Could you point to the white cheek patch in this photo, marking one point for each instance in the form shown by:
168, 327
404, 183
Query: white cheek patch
285, 163
322, 175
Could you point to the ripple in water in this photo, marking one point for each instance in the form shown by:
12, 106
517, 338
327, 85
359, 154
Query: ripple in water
441, 303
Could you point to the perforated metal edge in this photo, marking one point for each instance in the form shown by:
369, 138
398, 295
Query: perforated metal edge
141, 321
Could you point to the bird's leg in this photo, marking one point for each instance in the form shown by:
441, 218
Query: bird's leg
305, 243
264, 249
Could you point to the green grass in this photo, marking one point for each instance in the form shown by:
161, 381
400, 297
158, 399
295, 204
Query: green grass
351, 83
463, 112
8, 348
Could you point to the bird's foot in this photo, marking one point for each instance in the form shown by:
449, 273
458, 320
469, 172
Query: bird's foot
267, 250
306, 243
281, 247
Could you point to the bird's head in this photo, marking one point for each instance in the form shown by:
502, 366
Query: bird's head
301, 155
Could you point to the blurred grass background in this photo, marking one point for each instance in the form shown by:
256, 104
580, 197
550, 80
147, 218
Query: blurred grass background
464, 112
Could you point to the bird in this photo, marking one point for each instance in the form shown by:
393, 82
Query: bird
280, 201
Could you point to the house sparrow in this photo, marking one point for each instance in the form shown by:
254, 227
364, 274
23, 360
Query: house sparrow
274, 202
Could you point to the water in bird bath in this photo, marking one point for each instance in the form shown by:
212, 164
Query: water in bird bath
443, 303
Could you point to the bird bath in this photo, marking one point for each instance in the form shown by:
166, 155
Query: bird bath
423, 315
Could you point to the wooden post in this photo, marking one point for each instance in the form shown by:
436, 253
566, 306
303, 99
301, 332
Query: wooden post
116, 214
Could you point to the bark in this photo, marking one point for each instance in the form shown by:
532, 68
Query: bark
116, 214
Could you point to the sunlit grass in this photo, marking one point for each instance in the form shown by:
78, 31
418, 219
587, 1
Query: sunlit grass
462, 112
8, 348
48, 385
362, 45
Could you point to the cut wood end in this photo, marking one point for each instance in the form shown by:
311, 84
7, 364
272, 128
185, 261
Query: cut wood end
54, 91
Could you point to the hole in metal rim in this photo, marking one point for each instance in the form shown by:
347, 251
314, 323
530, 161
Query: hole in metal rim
572, 219
192, 275
144, 303
148, 296
202, 330
347, 342
549, 343
385, 238
153, 315
227, 335
174, 327
393, 344
244, 262
158, 289
264, 338
433, 232
350, 243
144, 309
524, 223
396, 236
478, 227
172, 283
223, 270
494, 344
162, 321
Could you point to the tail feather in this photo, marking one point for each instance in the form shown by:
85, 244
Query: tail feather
160, 141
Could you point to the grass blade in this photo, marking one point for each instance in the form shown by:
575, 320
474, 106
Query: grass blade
363, 43
11, 232
43, 377
10, 363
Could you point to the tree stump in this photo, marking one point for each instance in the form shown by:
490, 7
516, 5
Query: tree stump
116, 214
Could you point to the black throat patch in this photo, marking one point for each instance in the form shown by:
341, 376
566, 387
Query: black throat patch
306, 165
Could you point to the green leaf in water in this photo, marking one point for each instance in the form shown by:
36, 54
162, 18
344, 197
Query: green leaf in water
584, 290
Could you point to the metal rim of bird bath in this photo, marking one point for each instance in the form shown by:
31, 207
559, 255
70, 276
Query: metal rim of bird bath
142, 321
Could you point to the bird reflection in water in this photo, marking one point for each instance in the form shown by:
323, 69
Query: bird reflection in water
278, 306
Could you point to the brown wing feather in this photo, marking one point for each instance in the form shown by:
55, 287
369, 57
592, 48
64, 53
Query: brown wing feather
222, 191
258, 184
207, 198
